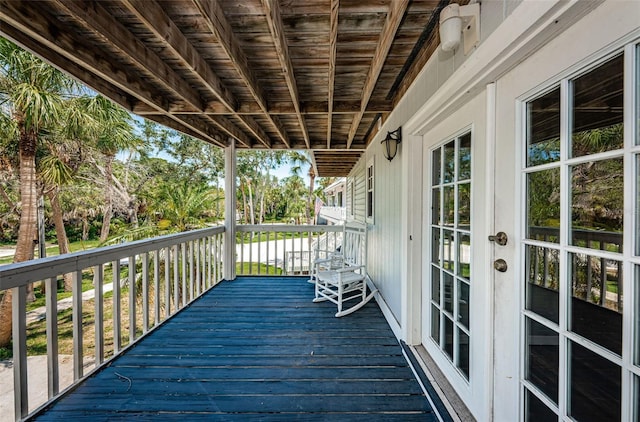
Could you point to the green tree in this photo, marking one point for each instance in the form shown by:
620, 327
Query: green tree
33, 94
299, 159
114, 134
254, 178
294, 191
185, 207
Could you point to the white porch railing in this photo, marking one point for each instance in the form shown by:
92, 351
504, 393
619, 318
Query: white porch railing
279, 249
169, 272
333, 213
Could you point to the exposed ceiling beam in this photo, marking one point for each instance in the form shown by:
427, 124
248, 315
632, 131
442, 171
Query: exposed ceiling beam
40, 29
397, 8
246, 109
157, 21
274, 20
215, 18
96, 17
333, 47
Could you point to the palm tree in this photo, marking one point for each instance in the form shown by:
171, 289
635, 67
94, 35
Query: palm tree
294, 192
113, 133
32, 93
185, 205
300, 158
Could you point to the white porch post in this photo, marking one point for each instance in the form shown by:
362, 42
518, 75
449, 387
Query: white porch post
411, 266
229, 263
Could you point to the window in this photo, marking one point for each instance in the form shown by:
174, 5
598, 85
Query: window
451, 249
370, 192
339, 202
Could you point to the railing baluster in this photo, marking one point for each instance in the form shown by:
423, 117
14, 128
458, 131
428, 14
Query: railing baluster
77, 326
132, 299
250, 252
242, 240
53, 369
275, 253
145, 292
176, 278
198, 252
268, 236
210, 240
117, 335
301, 237
19, 327
156, 287
191, 254
258, 251
183, 251
167, 282
219, 263
98, 281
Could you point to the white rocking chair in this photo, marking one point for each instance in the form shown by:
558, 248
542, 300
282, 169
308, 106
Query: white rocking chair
342, 277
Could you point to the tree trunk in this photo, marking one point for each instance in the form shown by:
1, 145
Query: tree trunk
85, 227
27, 232
310, 204
108, 198
251, 211
61, 234
244, 205
133, 212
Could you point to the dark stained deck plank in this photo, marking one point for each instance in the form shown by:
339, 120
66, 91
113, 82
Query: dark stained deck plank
256, 349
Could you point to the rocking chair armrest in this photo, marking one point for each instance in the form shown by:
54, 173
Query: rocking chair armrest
322, 260
349, 268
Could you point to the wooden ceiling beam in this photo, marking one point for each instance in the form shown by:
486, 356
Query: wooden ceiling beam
397, 10
95, 17
217, 22
276, 108
274, 20
157, 21
333, 43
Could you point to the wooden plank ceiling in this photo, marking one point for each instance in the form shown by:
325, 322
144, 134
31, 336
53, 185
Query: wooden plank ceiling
266, 74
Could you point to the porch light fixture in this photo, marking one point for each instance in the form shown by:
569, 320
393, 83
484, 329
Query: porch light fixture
390, 143
458, 22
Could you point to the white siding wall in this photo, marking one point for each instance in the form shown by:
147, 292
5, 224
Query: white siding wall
359, 190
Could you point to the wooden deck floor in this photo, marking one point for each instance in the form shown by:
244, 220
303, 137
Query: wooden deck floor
256, 349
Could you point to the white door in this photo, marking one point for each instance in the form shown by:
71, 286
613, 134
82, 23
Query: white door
567, 307
456, 316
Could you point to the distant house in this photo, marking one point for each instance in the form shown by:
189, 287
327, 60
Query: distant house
335, 209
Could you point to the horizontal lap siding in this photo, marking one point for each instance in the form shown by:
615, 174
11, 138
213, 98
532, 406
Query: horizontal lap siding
256, 348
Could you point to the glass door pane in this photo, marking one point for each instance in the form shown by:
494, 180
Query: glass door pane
451, 273
575, 184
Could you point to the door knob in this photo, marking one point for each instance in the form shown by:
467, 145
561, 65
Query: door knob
500, 265
500, 238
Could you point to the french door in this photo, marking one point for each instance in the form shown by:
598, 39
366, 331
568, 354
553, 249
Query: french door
577, 244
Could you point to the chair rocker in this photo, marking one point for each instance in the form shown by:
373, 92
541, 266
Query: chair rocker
342, 277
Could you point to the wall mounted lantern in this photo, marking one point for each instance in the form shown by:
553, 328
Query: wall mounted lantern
390, 143
458, 22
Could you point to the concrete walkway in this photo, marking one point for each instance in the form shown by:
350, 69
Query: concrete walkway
40, 313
